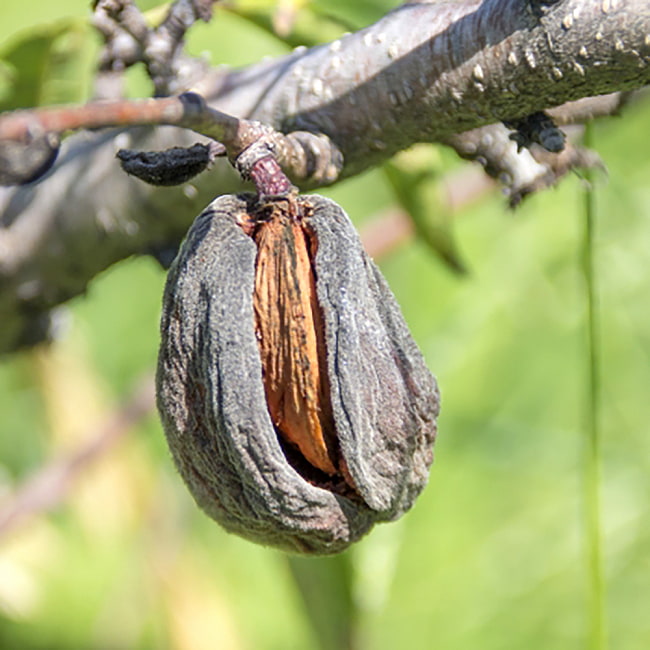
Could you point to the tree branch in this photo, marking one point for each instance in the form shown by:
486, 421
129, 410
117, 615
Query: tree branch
423, 73
308, 157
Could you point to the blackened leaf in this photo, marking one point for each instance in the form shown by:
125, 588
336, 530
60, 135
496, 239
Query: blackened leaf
169, 167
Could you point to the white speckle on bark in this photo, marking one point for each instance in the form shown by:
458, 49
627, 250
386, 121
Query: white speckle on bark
335, 62
579, 69
619, 45
335, 46
576, 12
381, 37
457, 94
367, 39
567, 22
530, 59
637, 54
468, 148
299, 49
557, 73
477, 72
512, 58
599, 36
317, 87
105, 219
606, 6
393, 51
331, 173
647, 40
583, 52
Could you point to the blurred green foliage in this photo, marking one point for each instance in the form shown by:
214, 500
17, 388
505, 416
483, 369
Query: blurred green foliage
491, 557
44, 66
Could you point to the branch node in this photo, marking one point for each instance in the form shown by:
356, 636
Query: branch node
258, 163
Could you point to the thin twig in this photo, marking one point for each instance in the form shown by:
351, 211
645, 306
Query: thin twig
304, 156
159, 48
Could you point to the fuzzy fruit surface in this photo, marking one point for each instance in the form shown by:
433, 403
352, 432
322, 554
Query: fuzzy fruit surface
298, 408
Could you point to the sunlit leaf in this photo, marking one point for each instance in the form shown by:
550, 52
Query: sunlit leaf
355, 14
43, 66
297, 25
326, 587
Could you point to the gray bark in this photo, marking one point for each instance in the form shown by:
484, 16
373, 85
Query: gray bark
424, 72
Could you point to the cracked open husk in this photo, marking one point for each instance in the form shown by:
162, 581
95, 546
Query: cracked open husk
243, 458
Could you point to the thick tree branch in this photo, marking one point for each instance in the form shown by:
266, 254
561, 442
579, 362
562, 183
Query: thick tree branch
423, 73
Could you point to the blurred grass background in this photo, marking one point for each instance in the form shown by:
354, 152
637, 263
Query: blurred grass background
491, 557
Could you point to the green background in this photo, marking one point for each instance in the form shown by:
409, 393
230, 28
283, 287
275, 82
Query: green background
493, 554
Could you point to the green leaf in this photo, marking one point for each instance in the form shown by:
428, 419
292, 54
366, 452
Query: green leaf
413, 176
326, 587
356, 14
44, 65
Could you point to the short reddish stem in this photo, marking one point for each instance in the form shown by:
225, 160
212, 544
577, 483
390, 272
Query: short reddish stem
268, 177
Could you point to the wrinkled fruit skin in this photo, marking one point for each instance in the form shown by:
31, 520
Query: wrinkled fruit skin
211, 394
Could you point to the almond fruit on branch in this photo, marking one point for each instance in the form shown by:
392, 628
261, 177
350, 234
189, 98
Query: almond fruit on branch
298, 408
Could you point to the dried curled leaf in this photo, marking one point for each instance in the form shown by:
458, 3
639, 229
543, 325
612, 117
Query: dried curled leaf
296, 444
172, 166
